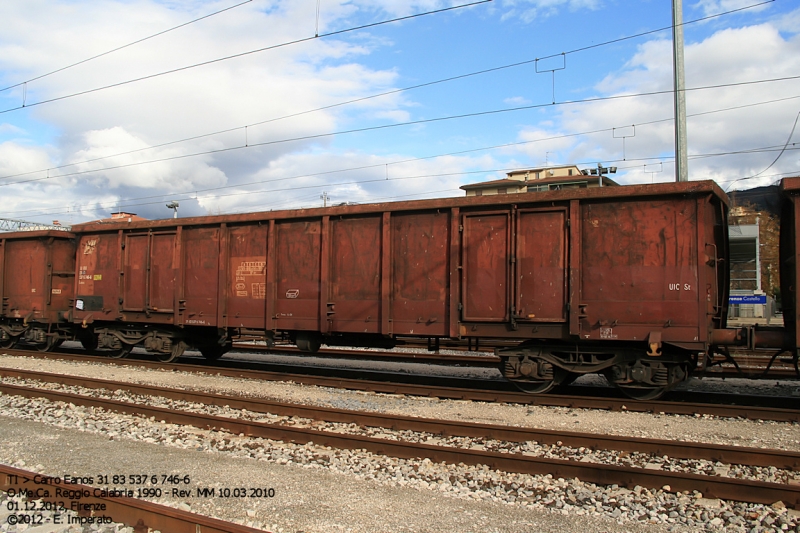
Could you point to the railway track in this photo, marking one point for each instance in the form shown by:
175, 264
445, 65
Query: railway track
750, 365
732, 406
399, 444
141, 515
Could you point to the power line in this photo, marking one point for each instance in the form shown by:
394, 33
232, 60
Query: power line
124, 46
188, 196
378, 95
460, 152
399, 124
242, 54
788, 140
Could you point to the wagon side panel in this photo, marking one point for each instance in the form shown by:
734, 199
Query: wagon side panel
26, 275
247, 276
62, 278
98, 292
298, 262
200, 275
420, 273
790, 259
354, 300
639, 269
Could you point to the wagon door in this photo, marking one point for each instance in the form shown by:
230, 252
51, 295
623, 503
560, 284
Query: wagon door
354, 302
485, 266
540, 288
150, 272
299, 251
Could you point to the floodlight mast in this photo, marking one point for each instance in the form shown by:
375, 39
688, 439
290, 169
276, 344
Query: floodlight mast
681, 158
174, 206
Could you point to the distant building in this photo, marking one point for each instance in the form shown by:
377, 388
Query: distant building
539, 179
122, 216
754, 237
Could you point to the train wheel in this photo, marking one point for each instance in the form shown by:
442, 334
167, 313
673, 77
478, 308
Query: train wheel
646, 380
570, 377
642, 393
119, 353
50, 344
540, 387
9, 343
308, 342
177, 350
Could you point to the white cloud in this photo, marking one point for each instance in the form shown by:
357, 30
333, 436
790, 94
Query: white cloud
728, 57
220, 96
516, 100
529, 10
713, 7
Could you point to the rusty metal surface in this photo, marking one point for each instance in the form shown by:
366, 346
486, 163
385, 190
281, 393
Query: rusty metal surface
485, 266
37, 275
419, 273
98, 285
245, 282
790, 258
640, 270
201, 271
298, 255
541, 266
716, 487
617, 264
354, 301
142, 515
544, 197
686, 450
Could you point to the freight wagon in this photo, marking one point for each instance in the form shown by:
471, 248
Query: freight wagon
628, 281
37, 283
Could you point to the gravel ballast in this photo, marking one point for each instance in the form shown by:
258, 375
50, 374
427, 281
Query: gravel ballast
412, 494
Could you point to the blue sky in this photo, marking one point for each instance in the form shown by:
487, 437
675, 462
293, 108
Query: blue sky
728, 142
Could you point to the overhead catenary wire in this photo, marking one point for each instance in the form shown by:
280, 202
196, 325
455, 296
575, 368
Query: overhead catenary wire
242, 54
398, 124
453, 153
381, 94
82, 61
788, 140
118, 204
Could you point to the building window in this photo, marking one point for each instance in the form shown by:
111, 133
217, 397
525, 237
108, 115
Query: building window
502, 190
570, 172
479, 193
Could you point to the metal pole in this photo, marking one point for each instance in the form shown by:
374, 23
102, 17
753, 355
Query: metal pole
681, 159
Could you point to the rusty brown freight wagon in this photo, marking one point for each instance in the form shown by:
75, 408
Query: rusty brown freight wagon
628, 281
37, 270
790, 266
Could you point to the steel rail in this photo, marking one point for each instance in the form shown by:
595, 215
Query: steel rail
747, 368
684, 450
141, 515
341, 353
454, 393
716, 487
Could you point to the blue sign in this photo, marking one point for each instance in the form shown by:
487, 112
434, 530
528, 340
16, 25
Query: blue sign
755, 299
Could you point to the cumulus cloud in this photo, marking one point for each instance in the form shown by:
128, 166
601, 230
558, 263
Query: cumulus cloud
529, 10
284, 157
724, 126
259, 88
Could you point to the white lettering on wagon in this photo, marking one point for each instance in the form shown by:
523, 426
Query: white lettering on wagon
607, 333
249, 271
